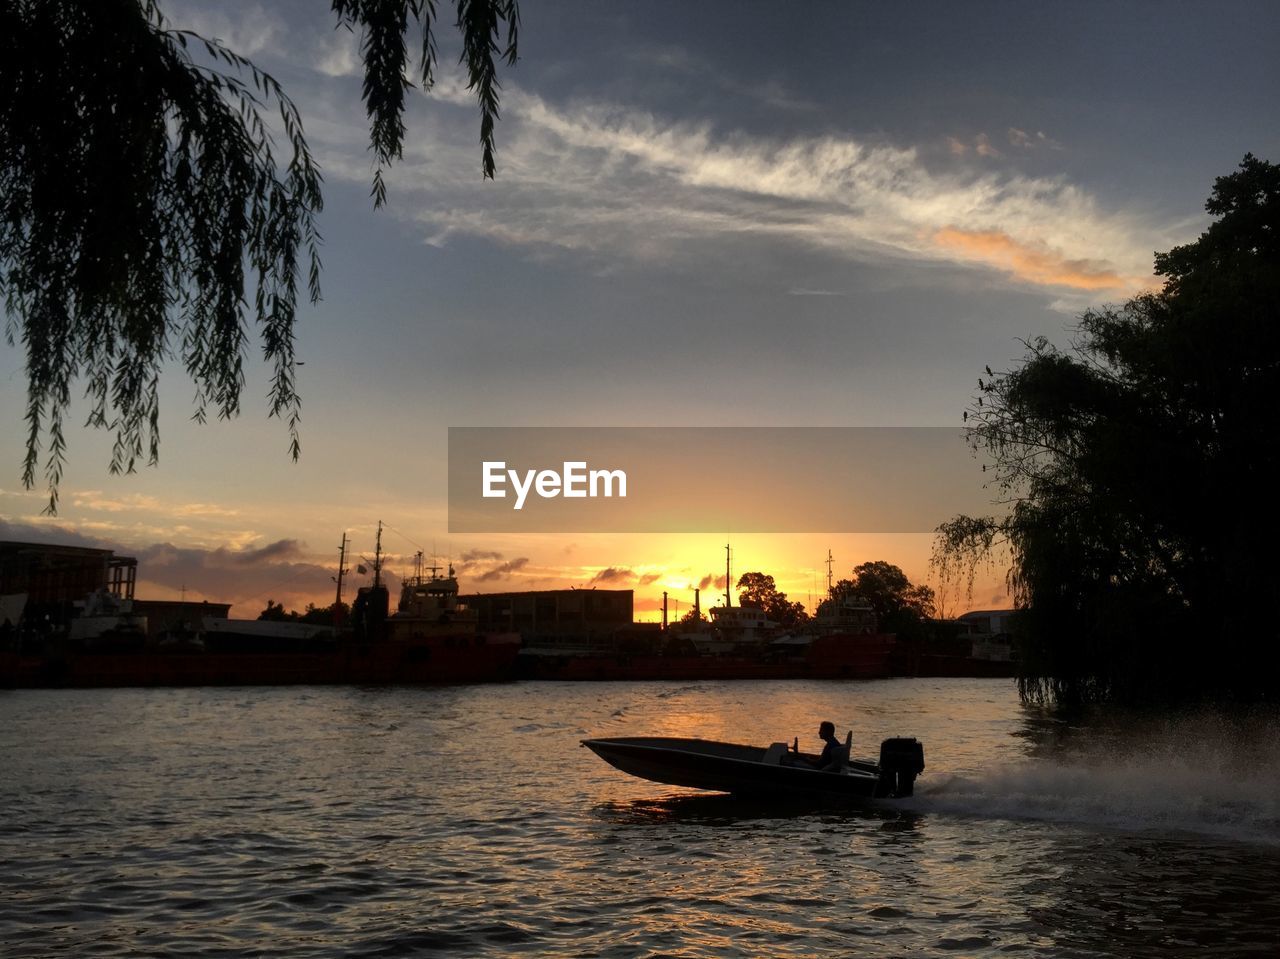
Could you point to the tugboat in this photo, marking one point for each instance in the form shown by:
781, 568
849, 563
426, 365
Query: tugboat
434, 632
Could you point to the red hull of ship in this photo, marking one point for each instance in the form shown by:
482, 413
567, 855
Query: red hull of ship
829, 657
374, 664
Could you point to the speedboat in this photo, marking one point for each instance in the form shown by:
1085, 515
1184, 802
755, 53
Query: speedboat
778, 769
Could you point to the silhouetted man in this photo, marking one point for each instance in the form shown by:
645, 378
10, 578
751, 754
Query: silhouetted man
831, 751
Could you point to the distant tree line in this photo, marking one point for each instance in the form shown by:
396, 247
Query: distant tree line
332, 615
1142, 466
900, 606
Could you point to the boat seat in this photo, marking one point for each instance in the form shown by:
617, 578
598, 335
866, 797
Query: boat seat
773, 755
840, 758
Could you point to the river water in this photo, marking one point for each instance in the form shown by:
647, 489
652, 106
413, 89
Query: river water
467, 821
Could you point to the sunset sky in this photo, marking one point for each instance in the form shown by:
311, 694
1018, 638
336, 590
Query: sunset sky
705, 214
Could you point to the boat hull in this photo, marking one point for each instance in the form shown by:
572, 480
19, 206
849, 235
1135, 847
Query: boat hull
731, 768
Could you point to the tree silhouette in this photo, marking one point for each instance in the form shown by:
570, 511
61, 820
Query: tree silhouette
760, 591
144, 212
1142, 467
901, 607
886, 588
275, 613
694, 617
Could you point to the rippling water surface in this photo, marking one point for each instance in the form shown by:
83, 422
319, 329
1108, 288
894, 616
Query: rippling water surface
469, 821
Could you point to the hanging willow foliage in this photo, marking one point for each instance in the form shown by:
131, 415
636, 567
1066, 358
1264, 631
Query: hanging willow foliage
144, 212
141, 197
384, 24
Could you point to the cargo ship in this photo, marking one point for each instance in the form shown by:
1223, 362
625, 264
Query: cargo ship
430, 638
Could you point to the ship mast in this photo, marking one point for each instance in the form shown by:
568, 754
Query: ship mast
829, 562
342, 568
377, 558
728, 579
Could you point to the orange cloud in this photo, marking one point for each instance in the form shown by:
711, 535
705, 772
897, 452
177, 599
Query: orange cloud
982, 146
1039, 266
613, 574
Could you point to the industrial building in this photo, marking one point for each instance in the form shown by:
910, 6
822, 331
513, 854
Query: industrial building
48, 581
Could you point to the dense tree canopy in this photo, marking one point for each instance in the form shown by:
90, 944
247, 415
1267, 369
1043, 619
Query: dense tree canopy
901, 607
760, 591
1142, 468
144, 212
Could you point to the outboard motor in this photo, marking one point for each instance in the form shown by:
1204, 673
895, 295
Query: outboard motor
901, 761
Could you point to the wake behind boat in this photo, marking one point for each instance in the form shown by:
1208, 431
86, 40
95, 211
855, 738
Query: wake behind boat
756, 770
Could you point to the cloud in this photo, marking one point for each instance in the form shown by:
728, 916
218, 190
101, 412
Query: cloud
487, 566
23, 493
202, 509
612, 574
476, 555
50, 532
226, 563
252, 31
648, 578
338, 55
1039, 266
1031, 141
245, 578
92, 499
132, 518
97, 500
648, 188
503, 570
711, 579
280, 551
1020, 138
982, 146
